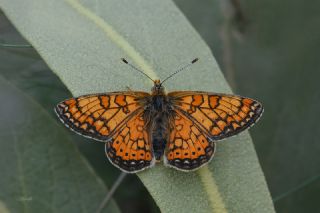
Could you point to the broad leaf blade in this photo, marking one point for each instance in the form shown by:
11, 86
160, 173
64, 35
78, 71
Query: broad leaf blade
277, 61
41, 170
83, 43
26, 70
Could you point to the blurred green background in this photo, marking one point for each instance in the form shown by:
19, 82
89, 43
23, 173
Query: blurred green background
268, 50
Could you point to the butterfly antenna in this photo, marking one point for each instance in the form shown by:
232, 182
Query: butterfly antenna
182, 68
125, 61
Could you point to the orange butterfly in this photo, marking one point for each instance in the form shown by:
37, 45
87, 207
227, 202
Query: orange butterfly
140, 128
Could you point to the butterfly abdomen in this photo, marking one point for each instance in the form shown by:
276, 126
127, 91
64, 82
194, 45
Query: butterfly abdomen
159, 136
159, 127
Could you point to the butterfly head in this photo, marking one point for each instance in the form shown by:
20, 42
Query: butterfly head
157, 89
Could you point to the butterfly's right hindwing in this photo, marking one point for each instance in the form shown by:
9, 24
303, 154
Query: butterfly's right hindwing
188, 148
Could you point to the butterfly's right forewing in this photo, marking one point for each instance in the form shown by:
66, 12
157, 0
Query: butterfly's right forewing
218, 115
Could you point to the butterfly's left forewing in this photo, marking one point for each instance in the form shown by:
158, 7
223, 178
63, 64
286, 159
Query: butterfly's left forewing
99, 116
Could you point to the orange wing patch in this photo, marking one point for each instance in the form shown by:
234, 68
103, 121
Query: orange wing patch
130, 149
217, 115
188, 147
99, 116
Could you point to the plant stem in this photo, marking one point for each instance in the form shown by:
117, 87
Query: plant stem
111, 192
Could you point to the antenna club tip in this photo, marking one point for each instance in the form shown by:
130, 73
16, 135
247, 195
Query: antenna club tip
124, 60
194, 60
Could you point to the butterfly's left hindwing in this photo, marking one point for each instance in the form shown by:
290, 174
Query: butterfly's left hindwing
130, 148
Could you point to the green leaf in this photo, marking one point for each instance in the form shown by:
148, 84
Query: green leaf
25, 69
83, 42
41, 170
273, 58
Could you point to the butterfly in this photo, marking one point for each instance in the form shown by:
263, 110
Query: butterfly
139, 128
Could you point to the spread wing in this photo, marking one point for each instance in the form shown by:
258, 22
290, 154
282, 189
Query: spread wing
100, 116
217, 115
188, 148
130, 148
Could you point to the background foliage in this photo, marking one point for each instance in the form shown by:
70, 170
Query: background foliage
272, 50
266, 53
